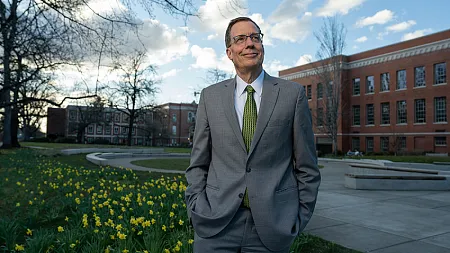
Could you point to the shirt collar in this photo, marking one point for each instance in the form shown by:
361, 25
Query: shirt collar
257, 84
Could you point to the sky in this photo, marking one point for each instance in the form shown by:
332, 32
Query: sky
184, 52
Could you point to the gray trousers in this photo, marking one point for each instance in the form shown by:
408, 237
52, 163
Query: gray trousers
239, 236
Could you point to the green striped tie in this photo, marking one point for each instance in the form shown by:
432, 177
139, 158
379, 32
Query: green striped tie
248, 126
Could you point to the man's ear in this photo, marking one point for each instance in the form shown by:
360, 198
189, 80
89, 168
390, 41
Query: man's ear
228, 51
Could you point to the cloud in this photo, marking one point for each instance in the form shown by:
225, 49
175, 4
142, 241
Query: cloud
170, 73
381, 17
272, 67
338, 6
381, 35
304, 59
102, 7
401, 26
215, 15
416, 34
206, 58
371, 28
289, 9
361, 39
212, 36
293, 29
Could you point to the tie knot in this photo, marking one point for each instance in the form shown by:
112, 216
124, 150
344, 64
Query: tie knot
249, 89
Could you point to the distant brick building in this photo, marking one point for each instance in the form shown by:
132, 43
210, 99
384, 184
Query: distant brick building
178, 121
397, 93
168, 125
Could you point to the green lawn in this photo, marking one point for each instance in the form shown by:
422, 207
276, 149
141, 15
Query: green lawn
54, 203
166, 164
61, 146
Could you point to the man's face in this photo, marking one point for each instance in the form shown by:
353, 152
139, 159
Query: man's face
249, 54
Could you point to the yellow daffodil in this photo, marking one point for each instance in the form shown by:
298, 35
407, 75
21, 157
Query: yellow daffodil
29, 232
19, 247
60, 229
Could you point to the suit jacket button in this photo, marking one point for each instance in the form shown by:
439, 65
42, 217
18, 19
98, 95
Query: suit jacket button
241, 195
249, 169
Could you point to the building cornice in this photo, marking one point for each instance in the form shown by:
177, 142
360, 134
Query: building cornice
383, 58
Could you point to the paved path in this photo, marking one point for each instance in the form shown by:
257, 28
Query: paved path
126, 163
380, 221
372, 221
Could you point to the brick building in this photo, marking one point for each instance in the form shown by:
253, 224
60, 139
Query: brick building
394, 97
164, 126
178, 121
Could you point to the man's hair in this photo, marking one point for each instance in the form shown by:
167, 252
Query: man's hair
230, 25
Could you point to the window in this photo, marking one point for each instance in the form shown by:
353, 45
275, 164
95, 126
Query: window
308, 91
401, 143
384, 144
90, 129
319, 116
401, 112
319, 91
133, 130
72, 115
117, 117
107, 129
370, 112
369, 144
401, 79
99, 129
440, 141
356, 86
191, 117
419, 76
384, 85
108, 117
174, 118
370, 85
385, 114
174, 130
440, 109
356, 112
355, 143
124, 130
126, 118
440, 73
116, 129
419, 111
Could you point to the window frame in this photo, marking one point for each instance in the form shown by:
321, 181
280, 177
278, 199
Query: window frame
368, 84
383, 114
385, 80
400, 83
437, 76
419, 76
359, 115
442, 110
416, 118
354, 86
370, 114
401, 111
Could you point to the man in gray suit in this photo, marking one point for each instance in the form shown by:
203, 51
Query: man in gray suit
253, 177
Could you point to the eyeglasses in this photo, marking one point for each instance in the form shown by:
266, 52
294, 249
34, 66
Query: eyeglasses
255, 37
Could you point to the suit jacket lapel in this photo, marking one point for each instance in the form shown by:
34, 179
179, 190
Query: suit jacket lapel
230, 111
268, 100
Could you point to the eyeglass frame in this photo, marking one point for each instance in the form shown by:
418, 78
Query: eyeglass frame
260, 38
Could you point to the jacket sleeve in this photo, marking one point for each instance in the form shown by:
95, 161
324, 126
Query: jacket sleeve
306, 169
197, 172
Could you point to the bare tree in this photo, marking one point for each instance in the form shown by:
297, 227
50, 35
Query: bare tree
329, 71
83, 116
133, 93
47, 34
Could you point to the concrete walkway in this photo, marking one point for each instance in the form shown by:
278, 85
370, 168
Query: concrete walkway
371, 221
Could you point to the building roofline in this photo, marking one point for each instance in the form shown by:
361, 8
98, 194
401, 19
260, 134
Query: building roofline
391, 48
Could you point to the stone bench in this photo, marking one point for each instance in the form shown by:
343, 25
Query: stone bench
372, 177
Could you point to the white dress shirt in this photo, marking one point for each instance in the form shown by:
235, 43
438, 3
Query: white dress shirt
240, 95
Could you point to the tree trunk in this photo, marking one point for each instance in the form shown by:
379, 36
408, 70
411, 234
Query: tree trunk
15, 120
130, 129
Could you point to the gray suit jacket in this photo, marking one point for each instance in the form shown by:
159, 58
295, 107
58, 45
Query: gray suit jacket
280, 171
